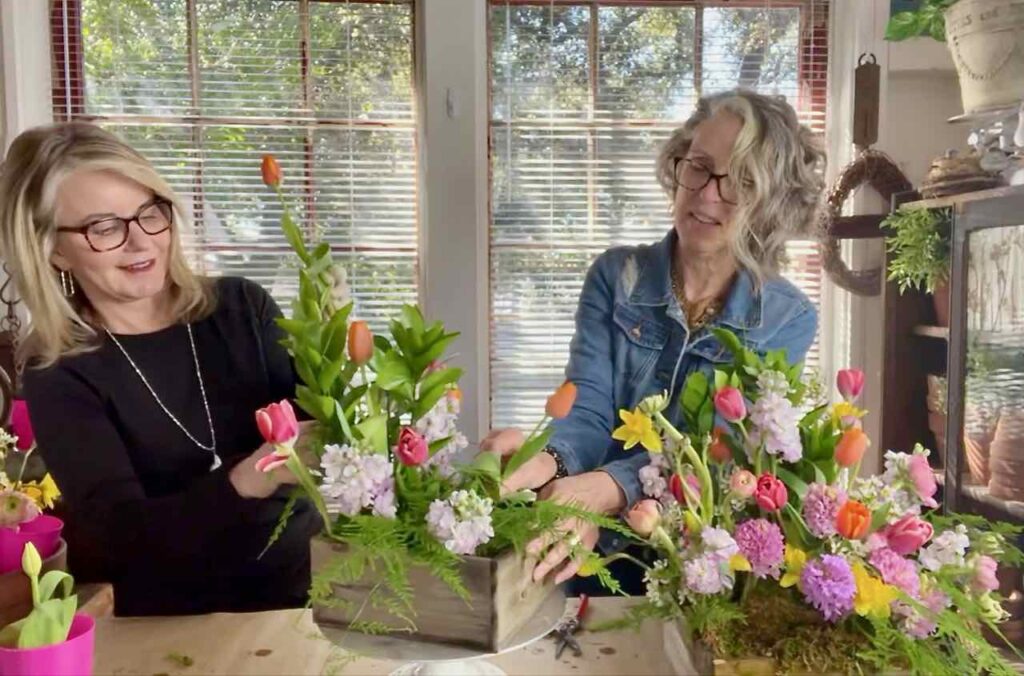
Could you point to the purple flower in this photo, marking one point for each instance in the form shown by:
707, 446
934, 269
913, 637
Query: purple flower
913, 623
821, 506
761, 542
896, 570
775, 425
462, 522
353, 481
828, 585
707, 574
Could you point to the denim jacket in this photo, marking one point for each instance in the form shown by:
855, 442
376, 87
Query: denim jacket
632, 341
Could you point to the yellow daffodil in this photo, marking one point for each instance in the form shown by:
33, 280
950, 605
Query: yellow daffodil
795, 560
43, 493
738, 562
638, 428
844, 412
874, 597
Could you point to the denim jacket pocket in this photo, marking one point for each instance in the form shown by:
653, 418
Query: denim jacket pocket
644, 337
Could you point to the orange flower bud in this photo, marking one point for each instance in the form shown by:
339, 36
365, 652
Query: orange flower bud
853, 520
360, 343
560, 403
271, 171
719, 451
851, 447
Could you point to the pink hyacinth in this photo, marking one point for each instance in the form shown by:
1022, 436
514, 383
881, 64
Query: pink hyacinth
761, 542
821, 506
896, 570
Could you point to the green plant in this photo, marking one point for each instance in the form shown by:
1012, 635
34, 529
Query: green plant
927, 20
53, 607
919, 248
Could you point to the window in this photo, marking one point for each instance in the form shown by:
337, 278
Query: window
582, 96
204, 88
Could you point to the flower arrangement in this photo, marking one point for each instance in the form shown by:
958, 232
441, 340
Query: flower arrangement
769, 543
386, 471
21, 501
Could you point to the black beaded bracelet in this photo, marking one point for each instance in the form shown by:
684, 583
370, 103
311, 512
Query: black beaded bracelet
560, 471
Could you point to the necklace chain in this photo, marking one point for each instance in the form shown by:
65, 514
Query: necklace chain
212, 447
694, 319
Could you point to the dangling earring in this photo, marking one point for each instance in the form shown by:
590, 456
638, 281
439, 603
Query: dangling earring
67, 283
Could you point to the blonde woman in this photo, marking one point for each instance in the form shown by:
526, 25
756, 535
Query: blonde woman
142, 380
743, 176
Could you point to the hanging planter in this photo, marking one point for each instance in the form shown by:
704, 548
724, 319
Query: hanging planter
919, 254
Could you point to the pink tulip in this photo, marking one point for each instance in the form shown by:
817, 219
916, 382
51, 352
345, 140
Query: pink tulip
729, 404
771, 494
644, 517
924, 480
850, 383
412, 448
277, 424
908, 534
21, 426
271, 461
675, 486
985, 579
742, 483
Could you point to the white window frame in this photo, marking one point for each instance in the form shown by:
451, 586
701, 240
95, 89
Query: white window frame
453, 106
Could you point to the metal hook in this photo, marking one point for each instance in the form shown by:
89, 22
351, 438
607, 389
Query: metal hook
860, 59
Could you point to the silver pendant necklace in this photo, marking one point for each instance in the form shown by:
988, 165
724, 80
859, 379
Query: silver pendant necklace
212, 447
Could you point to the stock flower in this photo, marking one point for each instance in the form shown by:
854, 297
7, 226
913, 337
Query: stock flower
850, 383
651, 478
411, 449
462, 522
874, 598
794, 561
853, 520
742, 483
771, 494
895, 570
21, 425
948, 549
985, 579
760, 541
644, 517
440, 423
775, 423
821, 506
637, 428
718, 450
707, 574
773, 383
354, 480
360, 343
829, 586
851, 447
718, 543
271, 171
730, 405
908, 534
560, 403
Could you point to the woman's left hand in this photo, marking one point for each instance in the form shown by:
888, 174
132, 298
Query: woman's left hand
592, 491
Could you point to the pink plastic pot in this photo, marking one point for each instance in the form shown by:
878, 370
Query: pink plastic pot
42, 531
73, 657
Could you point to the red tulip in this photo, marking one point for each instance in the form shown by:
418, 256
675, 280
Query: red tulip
21, 426
412, 448
771, 494
271, 171
853, 520
850, 383
561, 402
277, 424
730, 405
360, 343
675, 486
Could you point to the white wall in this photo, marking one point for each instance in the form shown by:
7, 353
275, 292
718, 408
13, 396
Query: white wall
920, 102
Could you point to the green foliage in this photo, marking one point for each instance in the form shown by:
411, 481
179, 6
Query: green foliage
919, 248
927, 20
53, 607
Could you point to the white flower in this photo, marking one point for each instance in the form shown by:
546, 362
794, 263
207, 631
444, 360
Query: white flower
948, 549
654, 484
718, 543
776, 427
462, 522
773, 383
354, 480
439, 423
655, 403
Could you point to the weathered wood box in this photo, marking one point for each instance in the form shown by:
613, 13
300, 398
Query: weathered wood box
502, 599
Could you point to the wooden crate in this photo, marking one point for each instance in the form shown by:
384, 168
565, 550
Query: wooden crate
502, 598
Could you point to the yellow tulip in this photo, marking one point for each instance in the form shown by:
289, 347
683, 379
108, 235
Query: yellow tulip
795, 560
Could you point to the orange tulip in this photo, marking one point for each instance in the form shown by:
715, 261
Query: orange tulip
360, 343
853, 520
719, 450
271, 171
560, 403
851, 447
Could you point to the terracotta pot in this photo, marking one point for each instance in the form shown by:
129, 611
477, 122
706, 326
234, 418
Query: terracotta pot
941, 299
1006, 459
979, 429
15, 591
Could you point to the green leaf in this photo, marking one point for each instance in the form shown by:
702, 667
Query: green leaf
706, 419
432, 352
903, 25
819, 476
488, 464
294, 236
729, 340
392, 372
427, 400
445, 376
374, 431
329, 374
437, 445
695, 393
304, 371
937, 28
527, 451
412, 319
294, 327
336, 333
48, 584
795, 483
721, 379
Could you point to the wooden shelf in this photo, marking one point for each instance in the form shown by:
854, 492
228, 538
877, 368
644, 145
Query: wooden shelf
941, 332
963, 198
980, 494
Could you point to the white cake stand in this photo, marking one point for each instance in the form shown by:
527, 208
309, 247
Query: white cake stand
429, 659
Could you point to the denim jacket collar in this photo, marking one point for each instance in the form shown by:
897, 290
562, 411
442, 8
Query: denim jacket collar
743, 307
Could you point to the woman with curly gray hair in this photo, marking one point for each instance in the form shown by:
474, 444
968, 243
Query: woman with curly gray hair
744, 176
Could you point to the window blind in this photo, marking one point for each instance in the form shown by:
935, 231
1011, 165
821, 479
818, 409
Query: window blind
582, 96
204, 88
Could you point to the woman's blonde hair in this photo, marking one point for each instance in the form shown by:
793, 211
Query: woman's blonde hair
37, 163
777, 165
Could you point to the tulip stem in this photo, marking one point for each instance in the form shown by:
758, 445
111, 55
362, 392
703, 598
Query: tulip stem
306, 481
707, 505
622, 555
853, 475
24, 463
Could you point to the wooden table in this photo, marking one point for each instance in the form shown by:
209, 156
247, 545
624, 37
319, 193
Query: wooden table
287, 642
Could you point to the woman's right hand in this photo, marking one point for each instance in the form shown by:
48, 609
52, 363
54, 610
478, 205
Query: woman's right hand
538, 471
250, 482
